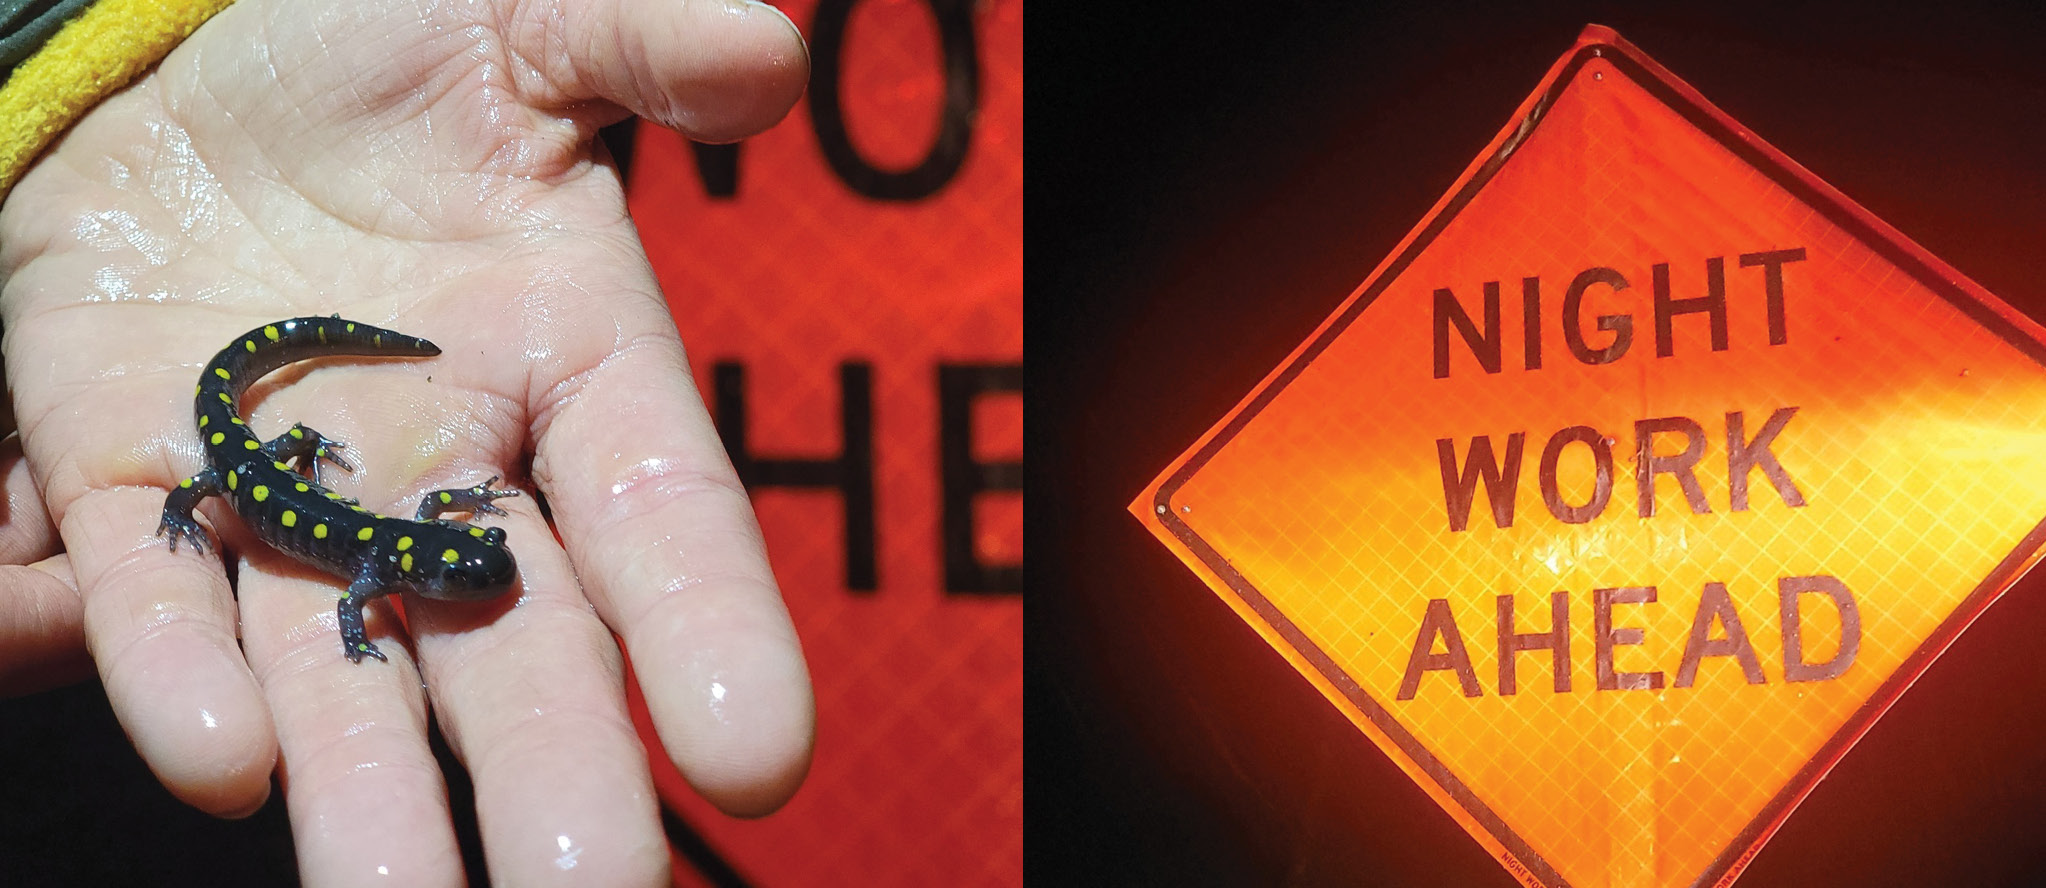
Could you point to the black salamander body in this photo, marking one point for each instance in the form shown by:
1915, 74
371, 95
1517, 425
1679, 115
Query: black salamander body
436, 557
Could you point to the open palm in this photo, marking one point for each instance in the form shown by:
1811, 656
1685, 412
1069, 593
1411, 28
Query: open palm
424, 166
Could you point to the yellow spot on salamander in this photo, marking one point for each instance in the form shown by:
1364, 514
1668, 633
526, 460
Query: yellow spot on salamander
236, 420
280, 467
289, 518
202, 421
185, 483
302, 488
224, 399
217, 437
476, 532
249, 344
378, 340
446, 497
405, 563
404, 543
270, 332
198, 387
319, 531
221, 372
365, 533
250, 444
362, 646
322, 330
297, 432
449, 556
351, 327
233, 480
261, 493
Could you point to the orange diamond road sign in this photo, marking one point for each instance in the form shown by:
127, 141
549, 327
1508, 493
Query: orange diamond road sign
1632, 488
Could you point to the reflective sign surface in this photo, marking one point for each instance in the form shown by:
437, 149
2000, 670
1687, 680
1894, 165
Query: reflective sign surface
1630, 490
850, 287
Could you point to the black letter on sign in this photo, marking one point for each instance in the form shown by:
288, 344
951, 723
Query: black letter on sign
1772, 284
1622, 326
1484, 346
1713, 303
955, 126
958, 385
1744, 456
1437, 621
1647, 465
852, 472
1715, 604
1605, 637
1789, 589
1602, 485
1460, 487
619, 139
1556, 641
1531, 321
718, 167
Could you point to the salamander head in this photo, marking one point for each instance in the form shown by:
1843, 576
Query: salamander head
468, 568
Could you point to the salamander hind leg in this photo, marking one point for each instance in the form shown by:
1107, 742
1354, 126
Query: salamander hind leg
472, 499
308, 447
177, 509
355, 643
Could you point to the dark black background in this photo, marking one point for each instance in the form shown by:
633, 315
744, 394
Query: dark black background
1207, 182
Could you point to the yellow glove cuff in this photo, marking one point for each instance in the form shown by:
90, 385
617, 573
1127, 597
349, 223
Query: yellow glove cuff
94, 55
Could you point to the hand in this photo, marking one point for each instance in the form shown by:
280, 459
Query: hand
425, 167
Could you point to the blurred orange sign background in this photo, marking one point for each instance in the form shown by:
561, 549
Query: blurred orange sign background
1632, 488
850, 288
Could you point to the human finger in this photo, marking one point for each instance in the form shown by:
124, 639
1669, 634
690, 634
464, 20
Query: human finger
26, 534
715, 70
367, 801
528, 689
42, 633
161, 629
663, 536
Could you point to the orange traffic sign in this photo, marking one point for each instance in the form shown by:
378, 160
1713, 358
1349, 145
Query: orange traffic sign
1632, 488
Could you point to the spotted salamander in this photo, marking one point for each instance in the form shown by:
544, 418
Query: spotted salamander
287, 508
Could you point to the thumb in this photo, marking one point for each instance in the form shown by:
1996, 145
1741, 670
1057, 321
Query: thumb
715, 70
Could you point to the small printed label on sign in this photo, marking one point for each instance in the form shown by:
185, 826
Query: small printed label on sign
1632, 488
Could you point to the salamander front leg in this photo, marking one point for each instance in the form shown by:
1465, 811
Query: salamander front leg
308, 447
474, 499
177, 509
355, 643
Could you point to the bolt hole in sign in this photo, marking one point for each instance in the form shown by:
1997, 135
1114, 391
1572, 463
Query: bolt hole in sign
1632, 488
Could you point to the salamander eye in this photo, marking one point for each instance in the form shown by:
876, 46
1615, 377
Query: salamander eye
494, 536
